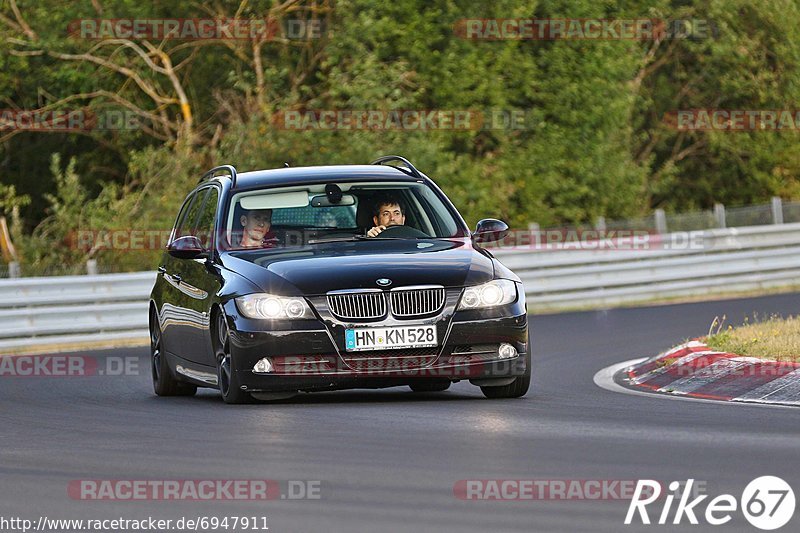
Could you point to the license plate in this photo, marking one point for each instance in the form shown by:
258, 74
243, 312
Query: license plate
361, 339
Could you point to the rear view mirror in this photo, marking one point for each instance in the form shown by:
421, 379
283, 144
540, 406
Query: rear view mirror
188, 247
322, 200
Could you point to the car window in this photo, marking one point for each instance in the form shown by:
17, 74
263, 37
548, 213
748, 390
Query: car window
188, 224
439, 216
208, 214
182, 215
294, 220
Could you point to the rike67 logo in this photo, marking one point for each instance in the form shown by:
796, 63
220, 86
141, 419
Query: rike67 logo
767, 503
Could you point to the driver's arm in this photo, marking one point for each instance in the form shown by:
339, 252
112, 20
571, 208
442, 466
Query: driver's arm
374, 232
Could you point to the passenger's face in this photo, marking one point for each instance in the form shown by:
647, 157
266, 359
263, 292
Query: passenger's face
256, 224
390, 215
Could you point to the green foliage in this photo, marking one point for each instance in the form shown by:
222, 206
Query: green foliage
751, 63
10, 200
50, 245
594, 140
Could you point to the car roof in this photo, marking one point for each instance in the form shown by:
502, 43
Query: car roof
299, 175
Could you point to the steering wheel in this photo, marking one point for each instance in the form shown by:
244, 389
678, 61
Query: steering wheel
403, 232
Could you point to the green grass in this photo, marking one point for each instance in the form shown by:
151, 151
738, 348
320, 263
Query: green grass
771, 338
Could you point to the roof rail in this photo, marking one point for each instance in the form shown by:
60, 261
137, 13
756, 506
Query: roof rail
210, 174
411, 168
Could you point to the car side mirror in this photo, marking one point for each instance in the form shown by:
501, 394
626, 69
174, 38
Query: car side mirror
490, 230
188, 247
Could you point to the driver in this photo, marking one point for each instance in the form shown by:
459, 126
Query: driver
388, 212
256, 224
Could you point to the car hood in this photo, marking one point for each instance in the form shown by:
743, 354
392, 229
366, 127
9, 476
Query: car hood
325, 267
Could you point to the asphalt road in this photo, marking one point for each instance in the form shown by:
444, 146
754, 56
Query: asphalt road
388, 460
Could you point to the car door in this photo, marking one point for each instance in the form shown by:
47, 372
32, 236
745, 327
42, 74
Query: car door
175, 301
201, 282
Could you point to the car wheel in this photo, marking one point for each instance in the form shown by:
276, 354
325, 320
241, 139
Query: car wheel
164, 383
227, 375
516, 388
430, 386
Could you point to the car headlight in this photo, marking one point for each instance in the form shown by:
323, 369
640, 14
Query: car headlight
272, 307
491, 294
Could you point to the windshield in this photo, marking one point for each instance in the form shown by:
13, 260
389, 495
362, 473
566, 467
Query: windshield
288, 217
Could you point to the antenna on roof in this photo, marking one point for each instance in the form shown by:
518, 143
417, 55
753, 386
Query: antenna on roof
285, 165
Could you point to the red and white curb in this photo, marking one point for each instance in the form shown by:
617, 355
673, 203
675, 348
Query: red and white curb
693, 370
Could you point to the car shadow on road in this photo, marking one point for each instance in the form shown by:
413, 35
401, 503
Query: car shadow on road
365, 396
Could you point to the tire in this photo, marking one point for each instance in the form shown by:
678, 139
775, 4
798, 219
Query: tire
516, 388
430, 386
227, 375
164, 383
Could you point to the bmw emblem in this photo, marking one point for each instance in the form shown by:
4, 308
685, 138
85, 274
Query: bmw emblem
383, 282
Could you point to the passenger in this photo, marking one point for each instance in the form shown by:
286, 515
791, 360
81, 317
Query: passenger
256, 224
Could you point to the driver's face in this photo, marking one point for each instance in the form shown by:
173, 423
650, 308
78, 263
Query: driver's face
390, 215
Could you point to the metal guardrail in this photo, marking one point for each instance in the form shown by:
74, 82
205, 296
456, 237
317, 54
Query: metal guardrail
73, 310
69, 310
728, 260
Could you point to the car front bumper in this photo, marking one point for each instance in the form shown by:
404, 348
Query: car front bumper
309, 355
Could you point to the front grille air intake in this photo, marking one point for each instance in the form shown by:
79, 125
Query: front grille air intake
361, 304
416, 301
366, 304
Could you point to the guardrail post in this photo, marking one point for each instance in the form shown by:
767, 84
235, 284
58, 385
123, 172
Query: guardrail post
719, 215
13, 270
91, 267
661, 221
600, 224
535, 236
777, 210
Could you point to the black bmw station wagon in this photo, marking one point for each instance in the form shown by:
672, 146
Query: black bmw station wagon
290, 280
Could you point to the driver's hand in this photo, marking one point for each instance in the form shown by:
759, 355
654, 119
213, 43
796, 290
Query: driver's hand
375, 231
